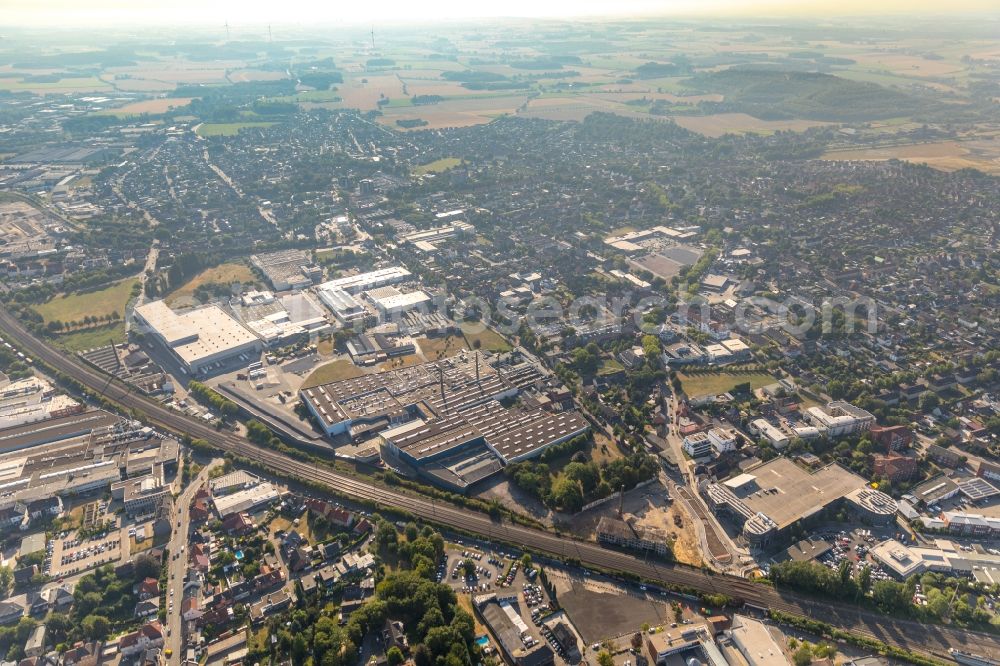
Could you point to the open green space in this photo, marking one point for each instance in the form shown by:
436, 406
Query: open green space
609, 366
488, 340
222, 274
332, 372
98, 336
720, 382
227, 129
438, 166
74, 307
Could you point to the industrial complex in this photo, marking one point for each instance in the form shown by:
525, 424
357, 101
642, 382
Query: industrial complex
445, 418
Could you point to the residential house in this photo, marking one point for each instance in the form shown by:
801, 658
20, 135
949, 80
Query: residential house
10, 612
189, 609
238, 524
147, 607
148, 636
147, 588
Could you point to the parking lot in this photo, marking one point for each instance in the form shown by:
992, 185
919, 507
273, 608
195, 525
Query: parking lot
488, 568
68, 553
853, 546
503, 574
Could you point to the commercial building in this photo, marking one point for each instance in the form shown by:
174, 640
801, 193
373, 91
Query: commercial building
427, 239
988, 470
287, 269
202, 339
971, 524
517, 646
977, 489
355, 284
935, 489
390, 302
903, 561
840, 418
141, 495
754, 641
773, 497
685, 647
245, 499
344, 307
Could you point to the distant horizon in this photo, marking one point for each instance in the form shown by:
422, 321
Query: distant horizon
309, 13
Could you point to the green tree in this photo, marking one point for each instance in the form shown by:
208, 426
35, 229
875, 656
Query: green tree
604, 658
95, 627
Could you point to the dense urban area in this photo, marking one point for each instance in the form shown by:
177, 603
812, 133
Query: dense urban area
623, 343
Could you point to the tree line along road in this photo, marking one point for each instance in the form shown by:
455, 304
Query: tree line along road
931, 640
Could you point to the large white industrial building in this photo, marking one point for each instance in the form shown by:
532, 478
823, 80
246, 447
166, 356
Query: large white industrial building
344, 307
391, 302
201, 338
355, 284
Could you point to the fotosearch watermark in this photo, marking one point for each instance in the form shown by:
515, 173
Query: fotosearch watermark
596, 315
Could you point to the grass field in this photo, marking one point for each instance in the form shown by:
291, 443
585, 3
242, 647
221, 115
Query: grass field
609, 366
720, 382
438, 166
227, 129
435, 348
99, 336
74, 307
489, 340
221, 274
331, 372
401, 362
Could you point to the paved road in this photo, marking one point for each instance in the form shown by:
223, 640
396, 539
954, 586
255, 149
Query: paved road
177, 567
928, 639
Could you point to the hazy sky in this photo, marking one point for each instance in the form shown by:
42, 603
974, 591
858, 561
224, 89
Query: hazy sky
159, 12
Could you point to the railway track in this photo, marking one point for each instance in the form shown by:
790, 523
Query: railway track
930, 640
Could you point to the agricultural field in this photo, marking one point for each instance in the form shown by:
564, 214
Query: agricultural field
60, 87
150, 106
717, 124
982, 154
74, 307
459, 112
719, 382
228, 129
221, 274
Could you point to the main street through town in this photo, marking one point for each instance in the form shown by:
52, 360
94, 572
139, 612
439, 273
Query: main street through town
177, 567
926, 639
